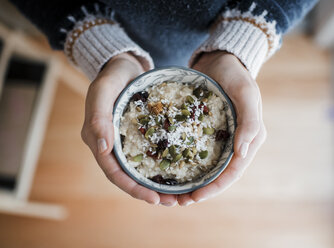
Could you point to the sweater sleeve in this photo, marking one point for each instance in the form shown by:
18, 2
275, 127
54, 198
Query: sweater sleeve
252, 30
86, 31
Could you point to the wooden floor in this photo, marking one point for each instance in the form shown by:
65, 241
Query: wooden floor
285, 199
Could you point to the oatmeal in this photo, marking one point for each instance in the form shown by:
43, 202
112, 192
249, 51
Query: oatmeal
173, 132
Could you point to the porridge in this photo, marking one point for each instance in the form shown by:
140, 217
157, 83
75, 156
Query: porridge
173, 132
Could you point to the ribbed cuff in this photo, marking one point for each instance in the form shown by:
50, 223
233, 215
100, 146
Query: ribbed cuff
93, 47
243, 39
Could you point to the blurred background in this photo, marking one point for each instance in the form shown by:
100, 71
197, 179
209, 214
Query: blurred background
53, 194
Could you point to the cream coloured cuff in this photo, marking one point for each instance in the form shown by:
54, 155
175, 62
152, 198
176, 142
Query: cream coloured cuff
248, 37
92, 43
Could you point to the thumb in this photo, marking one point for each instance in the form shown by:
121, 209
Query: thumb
97, 131
246, 101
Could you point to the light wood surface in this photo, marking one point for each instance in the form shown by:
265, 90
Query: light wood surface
285, 199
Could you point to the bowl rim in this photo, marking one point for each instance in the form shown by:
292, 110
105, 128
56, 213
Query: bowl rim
207, 181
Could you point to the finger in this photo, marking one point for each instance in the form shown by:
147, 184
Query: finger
116, 175
246, 98
234, 170
185, 200
168, 200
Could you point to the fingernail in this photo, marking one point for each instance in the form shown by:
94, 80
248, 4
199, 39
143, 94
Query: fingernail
189, 203
244, 149
200, 200
102, 145
168, 204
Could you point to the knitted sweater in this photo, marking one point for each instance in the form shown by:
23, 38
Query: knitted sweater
172, 32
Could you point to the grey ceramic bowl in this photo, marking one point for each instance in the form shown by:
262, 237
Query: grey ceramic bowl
179, 74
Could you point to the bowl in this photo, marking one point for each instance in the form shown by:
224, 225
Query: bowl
179, 74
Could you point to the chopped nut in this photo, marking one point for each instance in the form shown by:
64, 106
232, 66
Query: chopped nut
138, 109
134, 121
205, 100
182, 163
183, 136
157, 108
210, 113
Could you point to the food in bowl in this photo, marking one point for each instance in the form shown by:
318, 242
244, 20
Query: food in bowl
173, 132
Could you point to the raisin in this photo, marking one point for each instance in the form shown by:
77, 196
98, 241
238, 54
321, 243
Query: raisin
166, 124
140, 96
162, 144
142, 130
152, 154
222, 135
192, 113
205, 110
170, 181
158, 179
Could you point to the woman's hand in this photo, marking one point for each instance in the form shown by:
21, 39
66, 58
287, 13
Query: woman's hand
98, 133
250, 134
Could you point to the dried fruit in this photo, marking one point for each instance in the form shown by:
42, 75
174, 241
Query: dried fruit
162, 144
203, 154
140, 96
205, 109
222, 135
142, 130
208, 130
198, 92
137, 158
152, 154
164, 164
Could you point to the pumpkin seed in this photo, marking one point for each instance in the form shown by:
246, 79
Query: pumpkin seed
190, 100
180, 117
171, 128
172, 150
149, 132
191, 140
203, 154
165, 153
164, 164
137, 158
201, 117
185, 112
183, 136
144, 121
177, 157
186, 152
208, 130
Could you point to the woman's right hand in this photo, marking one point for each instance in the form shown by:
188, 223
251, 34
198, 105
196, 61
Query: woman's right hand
98, 132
